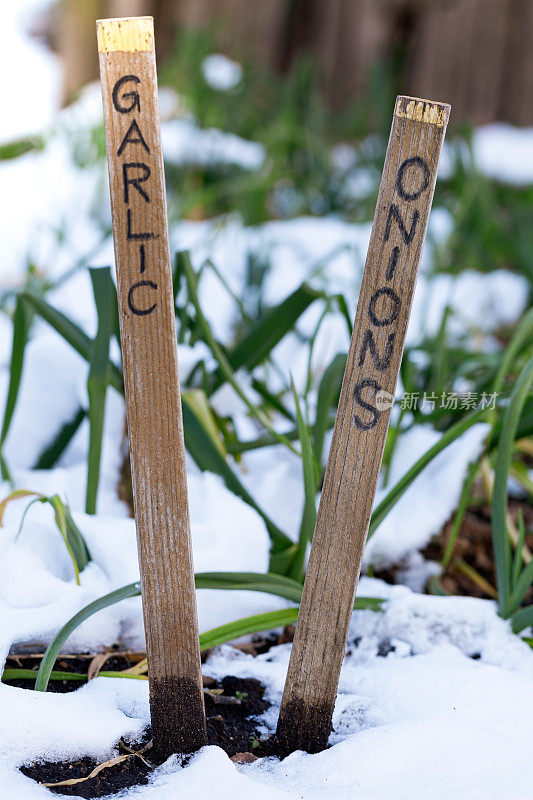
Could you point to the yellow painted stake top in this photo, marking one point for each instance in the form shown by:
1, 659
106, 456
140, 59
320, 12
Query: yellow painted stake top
127, 35
422, 110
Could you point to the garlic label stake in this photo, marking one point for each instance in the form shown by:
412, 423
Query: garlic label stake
150, 361
398, 233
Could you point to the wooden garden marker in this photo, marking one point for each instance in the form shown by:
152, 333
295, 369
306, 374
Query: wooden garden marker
398, 233
153, 401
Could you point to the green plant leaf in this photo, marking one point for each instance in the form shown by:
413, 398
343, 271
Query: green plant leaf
460, 513
256, 345
522, 619
521, 585
392, 497
523, 331
74, 541
269, 582
208, 580
221, 358
307, 525
17, 494
72, 536
54, 648
261, 388
517, 558
70, 332
500, 539
203, 444
328, 392
98, 379
17, 674
198, 403
247, 625
53, 451
21, 323
19, 147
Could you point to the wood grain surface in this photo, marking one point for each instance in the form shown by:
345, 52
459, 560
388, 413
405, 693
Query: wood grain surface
374, 357
150, 362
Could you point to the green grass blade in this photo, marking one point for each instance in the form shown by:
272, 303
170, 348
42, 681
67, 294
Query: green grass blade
500, 539
392, 497
21, 322
98, 378
269, 583
522, 619
256, 345
460, 513
54, 648
205, 447
70, 332
53, 451
221, 358
17, 674
328, 392
307, 525
517, 557
247, 625
524, 330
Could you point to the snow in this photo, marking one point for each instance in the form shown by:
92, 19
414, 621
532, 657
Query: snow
499, 151
503, 152
431, 498
34, 105
426, 721
185, 143
447, 712
38, 595
220, 72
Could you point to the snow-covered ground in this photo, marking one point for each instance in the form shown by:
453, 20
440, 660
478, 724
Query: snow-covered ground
427, 721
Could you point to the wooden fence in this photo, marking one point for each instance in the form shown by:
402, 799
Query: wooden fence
475, 54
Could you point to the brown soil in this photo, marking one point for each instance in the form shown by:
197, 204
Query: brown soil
232, 706
118, 660
474, 547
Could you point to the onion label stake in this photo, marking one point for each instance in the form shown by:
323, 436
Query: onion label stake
367, 393
153, 401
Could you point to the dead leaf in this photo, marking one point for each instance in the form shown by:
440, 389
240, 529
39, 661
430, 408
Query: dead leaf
243, 758
97, 663
105, 765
